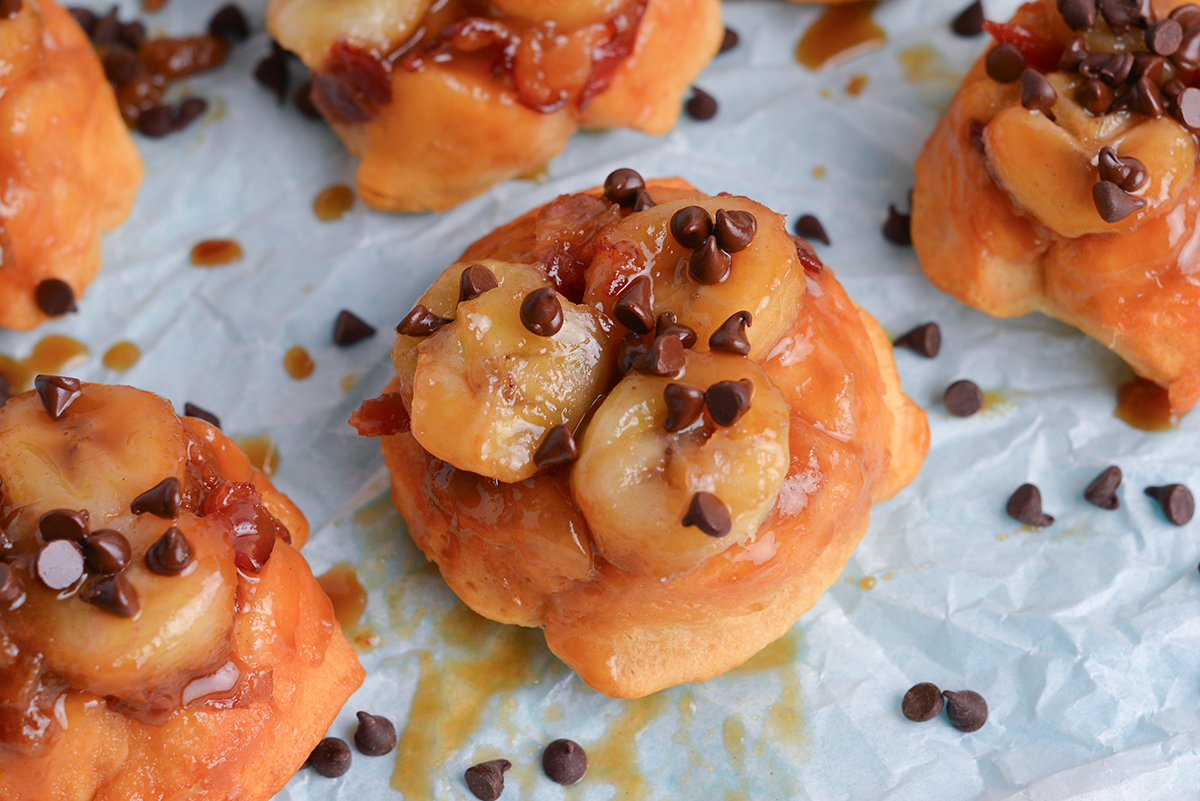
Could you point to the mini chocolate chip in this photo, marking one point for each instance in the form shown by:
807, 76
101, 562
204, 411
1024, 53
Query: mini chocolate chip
192, 410
161, 500
1128, 173
1115, 71
1074, 55
1036, 92
1147, 65
621, 186
643, 201
1187, 15
57, 392
898, 228
120, 63
107, 28
542, 312
133, 34
85, 17
1091, 66
1004, 63
303, 100
664, 357
171, 553
11, 587
1145, 98
708, 264
629, 351
58, 564
375, 735
634, 308
807, 256
731, 336
272, 73
685, 404
106, 551
421, 322
729, 41
191, 109
922, 702
701, 105
1025, 506
1119, 14
810, 228
557, 449
1102, 491
734, 230
727, 401
474, 281
708, 513
350, 329
64, 524
924, 339
55, 297
156, 121
1176, 502
113, 594
1080, 15
1095, 96
668, 324
1188, 105
486, 780
1113, 202
1188, 55
10, 8
1164, 37
963, 398
331, 758
229, 23
691, 225
969, 21
966, 710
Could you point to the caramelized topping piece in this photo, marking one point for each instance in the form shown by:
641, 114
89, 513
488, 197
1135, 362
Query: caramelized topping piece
731, 336
663, 357
55, 297
64, 524
634, 310
171, 554
727, 401
622, 186
685, 404
112, 594
106, 551
1004, 63
59, 564
690, 226
57, 393
11, 588
1036, 92
421, 322
542, 313
924, 339
474, 281
1114, 203
161, 500
709, 264
734, 230
350, 329
557, 449
668, 325
709, 514
1025, 505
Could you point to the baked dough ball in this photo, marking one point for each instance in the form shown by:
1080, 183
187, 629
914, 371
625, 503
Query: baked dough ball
656, 431
160, 634
69, 168
1063, 180
441, 101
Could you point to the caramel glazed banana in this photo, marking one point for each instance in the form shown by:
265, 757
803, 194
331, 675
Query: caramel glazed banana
647, 421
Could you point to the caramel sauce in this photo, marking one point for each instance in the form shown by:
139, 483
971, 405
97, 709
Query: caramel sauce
866, 583
818, 171
735, 737
50, 355
348, 381
856, 84
122, 356
346, 593
260, 449
216, 253
298, 363
614, 760
1145, 406
538, 175
840, 33
923, 62
153, 5
780, 654
333, 202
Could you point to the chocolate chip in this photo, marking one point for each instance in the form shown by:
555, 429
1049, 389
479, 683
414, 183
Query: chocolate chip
1119, 14
664, 357
643, 201
922, 702
272, 73
171, 554
5, 390
727, 401
191, 109
1188, 105
557, 449
1080, 15
621, 186
629, 352
1074, 55
106, 551
701, 105
1091, 66
486, 780
1128, 173
969, 22
64, 524
1102, 491
133, 34
1149, 66
729, 41
303, 100
542, 313
161, 500
898, 228
1176, 501
1116, 69
85, 17
474, 281
113, 594
107, 28
1188, 15
734, 230
331, 757
1113, 202
192, 410
421, 322
708, 513
375, 735
11, 587
1095, 96
350, 329
1004, 63
731, 336
1036, 92
57, 392
691, 226
810, 228
1025, 506
229, 23
10, 8
924, 339
55, 297
156, 121
807, 256
708, 264
58, 564
1164, 37
963, 398
966, 710
668, 324
120, 63
634, 308
685, 404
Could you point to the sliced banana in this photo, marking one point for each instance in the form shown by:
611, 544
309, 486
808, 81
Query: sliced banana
636, 483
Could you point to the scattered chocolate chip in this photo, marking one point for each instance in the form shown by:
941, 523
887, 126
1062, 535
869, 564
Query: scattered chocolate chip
1164, 37
731, 336
1127, 173
64, 524
156, 121
969, 22
171, 553
1187, 103
1188, 15
685, 404
1074, 55
11, 587
708, 513
1113, 202
10, 8
922, 702
1091, 66
474, 281
350, 329
106, 551
192, 410
85, 17
272, 73
107, 28
727, 401
557, 449
1102, 491
58, 564
486, 780
55, 297
701, 105
1176, 501
331, 757
1036, 92
120, 63
57, 392
421, 322
629, 352
691, 226
161, 500
668, 324
811, 229
898, 228
664, 357
229, 23
643, 201
191, 109
708, 264
1095, 96
621, 186
133, 34
1004, 63
113, 594
925, 340
303, 101
729, 41
966, 710
1025, 506
734, 230
963, 398
1080, 15
375, 735
634, 308
542, 313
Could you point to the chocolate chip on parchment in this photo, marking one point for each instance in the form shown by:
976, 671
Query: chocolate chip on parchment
107, 29
731, 336
966, 710
708, 513
115, 594
634, 308
375, 735
1164, 37
331, 758
171, 553
486, 780
925, 340
701, 105
729, 40
303, 100
161, 500
474, 281
350, 329
192, 410
1004, 63
156, 121
691, 225
1113, 202
229, 23
898, 228
969, 21
922, 702
191, 109
810, 228
542, 312
664, 357
1102, 491
106, 551
421, 322
1025, 506
668, 324
1036, 92
1080, 15
963, 398
685, 404
727, 401
55, 297
64, 524
272, 73
85, 17
709, 264
58, 564
57, 393
734, 230
12, 589
621, 186
1176, 502
557, 449
120, 63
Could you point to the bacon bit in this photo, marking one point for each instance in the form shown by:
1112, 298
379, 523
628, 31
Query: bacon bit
807, 256
1040, 52
608, 57
382, 416
355, 84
